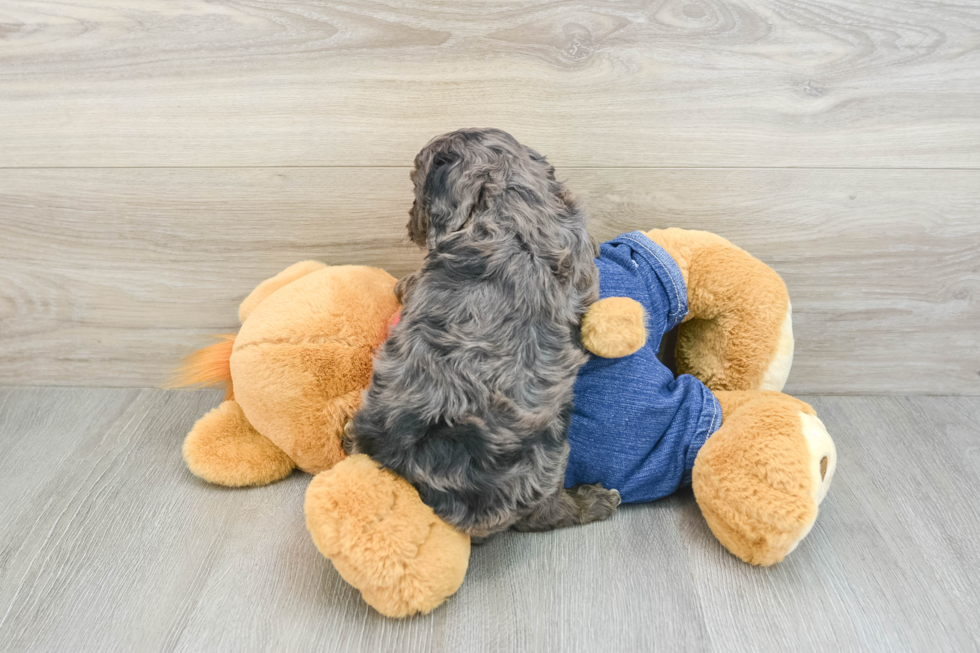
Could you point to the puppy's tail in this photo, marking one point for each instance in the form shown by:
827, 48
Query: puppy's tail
207, 367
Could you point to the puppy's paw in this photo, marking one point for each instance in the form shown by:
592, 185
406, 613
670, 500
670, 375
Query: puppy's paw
595, 503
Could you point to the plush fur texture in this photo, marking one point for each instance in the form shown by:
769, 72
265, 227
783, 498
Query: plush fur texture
470, 397
614, 327
752, 479
383, 540
223, 448
304, 356
737, 307
299, 366
271, 285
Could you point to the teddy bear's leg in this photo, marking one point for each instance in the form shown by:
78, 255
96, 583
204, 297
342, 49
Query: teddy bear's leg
738, 334
271, 285
761, 476
223, 448
372, 525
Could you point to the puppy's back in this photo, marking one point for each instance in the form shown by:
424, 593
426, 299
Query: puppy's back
471, 394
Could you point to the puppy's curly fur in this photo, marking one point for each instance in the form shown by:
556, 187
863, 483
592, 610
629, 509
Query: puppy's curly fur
471, 394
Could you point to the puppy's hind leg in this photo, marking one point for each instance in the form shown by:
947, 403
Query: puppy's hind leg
581, 504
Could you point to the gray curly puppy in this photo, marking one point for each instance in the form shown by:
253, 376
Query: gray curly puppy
471, 394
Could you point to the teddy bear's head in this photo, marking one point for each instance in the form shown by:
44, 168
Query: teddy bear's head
304, 356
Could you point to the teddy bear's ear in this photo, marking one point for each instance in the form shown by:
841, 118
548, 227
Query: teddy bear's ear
614, 327
271, 285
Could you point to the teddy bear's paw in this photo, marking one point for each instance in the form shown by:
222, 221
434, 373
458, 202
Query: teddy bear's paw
614, 327
760, 478
223, 448
383, 539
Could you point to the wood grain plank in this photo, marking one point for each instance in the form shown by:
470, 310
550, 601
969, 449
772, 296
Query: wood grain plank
636, 83
522, 592
887, 565
552, 591
35, 420
107, 277
270, 589
106, 553
924, 496
113, 545
124, 549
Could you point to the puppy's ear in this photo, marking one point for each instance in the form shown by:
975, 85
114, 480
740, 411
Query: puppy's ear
549, 169
452, 192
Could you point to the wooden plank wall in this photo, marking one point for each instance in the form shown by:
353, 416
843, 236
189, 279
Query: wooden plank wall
157, 160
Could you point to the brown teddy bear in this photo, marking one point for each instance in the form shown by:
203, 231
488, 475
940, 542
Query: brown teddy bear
296, 369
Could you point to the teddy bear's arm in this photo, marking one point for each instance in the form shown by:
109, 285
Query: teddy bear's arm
614, 327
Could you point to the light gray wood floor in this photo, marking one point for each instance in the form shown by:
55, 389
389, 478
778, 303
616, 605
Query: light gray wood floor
107, 543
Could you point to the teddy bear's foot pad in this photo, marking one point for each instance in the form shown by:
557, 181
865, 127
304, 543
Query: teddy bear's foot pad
760, 478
